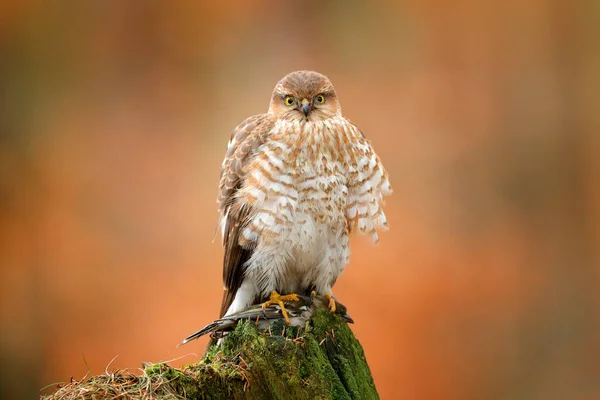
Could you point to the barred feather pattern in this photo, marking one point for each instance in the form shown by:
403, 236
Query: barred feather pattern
308, 185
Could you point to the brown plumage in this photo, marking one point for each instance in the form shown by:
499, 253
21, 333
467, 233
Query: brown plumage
248, 136
294, 183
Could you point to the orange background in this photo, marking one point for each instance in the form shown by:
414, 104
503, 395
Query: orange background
115, 117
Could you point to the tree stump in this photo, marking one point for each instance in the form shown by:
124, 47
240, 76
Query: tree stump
321, 361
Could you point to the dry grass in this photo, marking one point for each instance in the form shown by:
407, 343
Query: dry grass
154, 381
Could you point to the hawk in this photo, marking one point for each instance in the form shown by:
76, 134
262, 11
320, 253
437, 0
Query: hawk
295, 182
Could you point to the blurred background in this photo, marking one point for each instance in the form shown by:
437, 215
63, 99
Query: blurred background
114, 120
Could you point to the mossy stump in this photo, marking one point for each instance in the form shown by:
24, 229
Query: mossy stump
324, 362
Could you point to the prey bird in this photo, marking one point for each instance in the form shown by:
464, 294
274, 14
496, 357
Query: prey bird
299, 311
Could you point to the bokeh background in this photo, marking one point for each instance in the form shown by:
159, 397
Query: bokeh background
114, 120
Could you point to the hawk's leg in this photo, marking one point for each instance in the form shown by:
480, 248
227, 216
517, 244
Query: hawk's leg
278, 299
332, 307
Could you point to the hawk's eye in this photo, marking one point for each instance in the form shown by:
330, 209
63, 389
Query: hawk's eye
320, 99
289, 101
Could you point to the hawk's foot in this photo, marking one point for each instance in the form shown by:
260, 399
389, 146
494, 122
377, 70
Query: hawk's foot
332, 306
331, 302
278, 299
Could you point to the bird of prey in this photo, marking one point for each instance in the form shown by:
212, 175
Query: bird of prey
299, 311
295, 182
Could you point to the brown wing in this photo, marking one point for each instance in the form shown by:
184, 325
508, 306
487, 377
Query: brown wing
245, 139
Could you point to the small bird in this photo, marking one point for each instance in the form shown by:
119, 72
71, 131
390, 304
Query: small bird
300, 311
295, 182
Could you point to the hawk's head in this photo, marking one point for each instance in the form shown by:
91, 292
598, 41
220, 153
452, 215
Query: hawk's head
304, 95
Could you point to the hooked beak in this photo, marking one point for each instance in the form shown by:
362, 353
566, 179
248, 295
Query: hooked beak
305, 107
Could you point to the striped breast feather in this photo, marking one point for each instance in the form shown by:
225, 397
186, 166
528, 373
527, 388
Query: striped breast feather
368, 183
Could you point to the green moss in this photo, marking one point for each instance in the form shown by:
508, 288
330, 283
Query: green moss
326, 362
345, 355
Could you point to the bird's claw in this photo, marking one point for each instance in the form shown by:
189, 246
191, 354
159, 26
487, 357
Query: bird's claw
278, 299
332, 306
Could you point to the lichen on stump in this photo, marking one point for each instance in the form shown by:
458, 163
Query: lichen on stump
324, 362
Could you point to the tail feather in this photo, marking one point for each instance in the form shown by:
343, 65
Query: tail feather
212, 327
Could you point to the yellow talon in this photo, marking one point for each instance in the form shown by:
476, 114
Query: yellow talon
331, 302
278, 299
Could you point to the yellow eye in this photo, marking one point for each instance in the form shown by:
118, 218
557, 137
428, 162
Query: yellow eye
320, 99
289, 101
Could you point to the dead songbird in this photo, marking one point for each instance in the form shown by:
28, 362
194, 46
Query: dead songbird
299, 311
